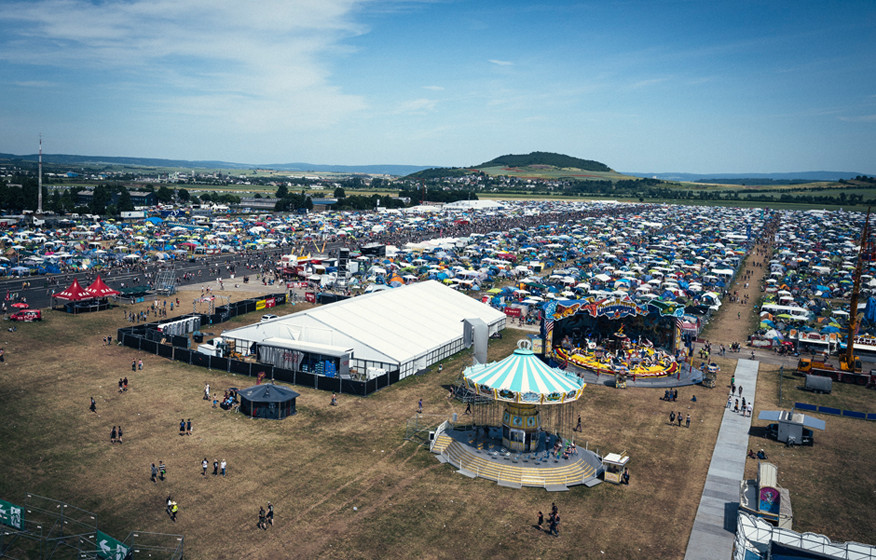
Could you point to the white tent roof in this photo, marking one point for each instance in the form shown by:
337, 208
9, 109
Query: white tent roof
392, 326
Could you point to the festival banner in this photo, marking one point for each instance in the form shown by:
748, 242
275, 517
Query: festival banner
12, 515
109, 548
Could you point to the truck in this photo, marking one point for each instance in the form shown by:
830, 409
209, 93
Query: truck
841, 374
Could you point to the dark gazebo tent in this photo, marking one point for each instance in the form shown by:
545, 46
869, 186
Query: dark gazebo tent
267, 401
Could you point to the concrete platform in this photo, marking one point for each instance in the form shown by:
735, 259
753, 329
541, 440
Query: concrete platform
714, 528
478, 454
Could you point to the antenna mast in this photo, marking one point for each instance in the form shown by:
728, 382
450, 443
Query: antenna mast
40, 181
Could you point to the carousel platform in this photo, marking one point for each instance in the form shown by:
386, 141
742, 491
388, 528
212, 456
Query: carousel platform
479, 456
688, 376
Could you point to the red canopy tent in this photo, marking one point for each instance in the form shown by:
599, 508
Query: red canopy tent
99, 289
74, 292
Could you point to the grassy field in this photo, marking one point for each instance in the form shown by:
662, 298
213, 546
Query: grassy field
320, 464
831, 483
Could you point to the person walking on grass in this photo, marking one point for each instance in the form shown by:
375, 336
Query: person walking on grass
93, 406
215, 467
262, 524
687, 421
154, 473
204, 467
113, 435
162, 470
119, 438
222, 466
189, 427
420, 406
270, 516
540, 521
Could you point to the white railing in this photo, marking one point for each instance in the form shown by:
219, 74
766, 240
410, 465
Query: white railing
754, 534
438, 431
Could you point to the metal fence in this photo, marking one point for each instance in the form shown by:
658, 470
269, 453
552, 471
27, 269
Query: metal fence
147, 338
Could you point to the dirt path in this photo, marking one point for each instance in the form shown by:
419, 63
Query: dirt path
738, 315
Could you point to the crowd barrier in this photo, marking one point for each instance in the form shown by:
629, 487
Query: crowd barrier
835, 411
148, 338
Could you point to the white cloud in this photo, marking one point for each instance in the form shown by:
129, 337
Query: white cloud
860, 118
648, 83
34, 84
249, 63
500, 62
417, 106
434, 88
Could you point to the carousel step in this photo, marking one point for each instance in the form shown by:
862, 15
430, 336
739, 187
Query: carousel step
556, 488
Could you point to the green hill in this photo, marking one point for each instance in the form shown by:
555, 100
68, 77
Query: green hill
546, 158
536, 165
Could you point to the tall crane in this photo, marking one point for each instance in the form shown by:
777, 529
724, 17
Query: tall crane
848, 362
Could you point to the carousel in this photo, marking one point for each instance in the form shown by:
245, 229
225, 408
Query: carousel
617, 337
519, 425
619, 355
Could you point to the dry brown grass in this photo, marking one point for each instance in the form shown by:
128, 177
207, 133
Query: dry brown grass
320, 464
316, 466
831, 483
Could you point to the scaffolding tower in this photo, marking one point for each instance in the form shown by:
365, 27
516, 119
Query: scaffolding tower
165, 283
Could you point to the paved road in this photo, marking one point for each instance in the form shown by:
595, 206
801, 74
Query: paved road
714, 528
38, 295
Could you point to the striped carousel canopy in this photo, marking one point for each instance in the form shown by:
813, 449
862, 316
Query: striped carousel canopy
523, 378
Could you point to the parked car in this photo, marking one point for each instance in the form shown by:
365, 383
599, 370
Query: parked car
27, 315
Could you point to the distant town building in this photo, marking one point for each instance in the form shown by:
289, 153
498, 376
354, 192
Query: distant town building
252, 204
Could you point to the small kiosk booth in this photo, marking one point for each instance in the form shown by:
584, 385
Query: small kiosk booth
764, 498
615, 464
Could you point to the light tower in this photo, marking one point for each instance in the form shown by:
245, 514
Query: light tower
40, 181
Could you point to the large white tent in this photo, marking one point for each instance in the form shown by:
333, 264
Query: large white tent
406, 328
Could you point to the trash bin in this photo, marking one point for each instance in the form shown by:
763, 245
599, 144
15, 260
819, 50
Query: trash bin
198, 337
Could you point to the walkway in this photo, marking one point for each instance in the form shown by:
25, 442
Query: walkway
714, 528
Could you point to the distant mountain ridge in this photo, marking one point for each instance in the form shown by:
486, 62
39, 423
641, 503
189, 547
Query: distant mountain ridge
68, 159
792, 176
534, 158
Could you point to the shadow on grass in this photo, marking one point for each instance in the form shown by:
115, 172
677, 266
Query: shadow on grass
758, 432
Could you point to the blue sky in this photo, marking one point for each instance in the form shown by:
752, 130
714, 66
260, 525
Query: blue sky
650, 86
